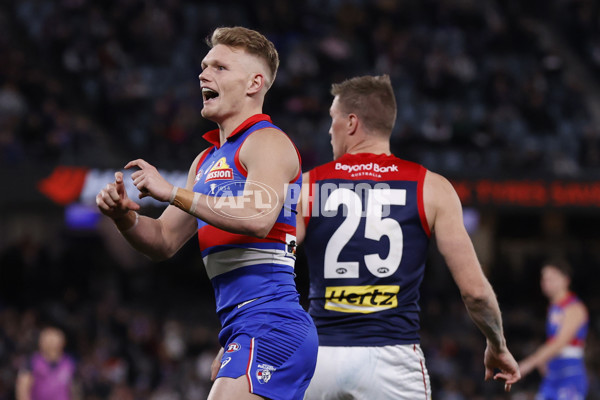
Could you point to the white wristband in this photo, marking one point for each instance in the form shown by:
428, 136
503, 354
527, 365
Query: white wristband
173, 194
137, 219
194, 203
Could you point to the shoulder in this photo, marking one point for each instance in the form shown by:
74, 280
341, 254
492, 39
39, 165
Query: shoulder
202, 155
268, 143
193, 170
440, 200
268, 135
438, 186
270, 150
576, 306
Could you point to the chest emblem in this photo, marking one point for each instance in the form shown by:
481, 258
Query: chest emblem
221, 170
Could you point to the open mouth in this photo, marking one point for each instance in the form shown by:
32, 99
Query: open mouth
209, 94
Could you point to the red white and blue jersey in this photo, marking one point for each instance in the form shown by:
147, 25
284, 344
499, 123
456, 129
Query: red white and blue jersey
566, 376
243, 269
554, 322
366, 244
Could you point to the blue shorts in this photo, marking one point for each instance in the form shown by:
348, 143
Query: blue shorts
572, 387
276, 349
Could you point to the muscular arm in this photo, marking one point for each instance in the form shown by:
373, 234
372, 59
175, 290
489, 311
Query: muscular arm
575, 316
158, 238
444, 215
271, 162
302, 209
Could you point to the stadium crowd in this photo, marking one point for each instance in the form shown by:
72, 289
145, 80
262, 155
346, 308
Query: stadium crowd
480, 87
481, 92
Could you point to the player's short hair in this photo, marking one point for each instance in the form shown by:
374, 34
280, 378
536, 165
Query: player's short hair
252, 42
371, 98
561, 265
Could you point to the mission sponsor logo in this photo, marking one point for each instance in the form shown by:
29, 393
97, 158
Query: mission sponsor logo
361, 299
221, 170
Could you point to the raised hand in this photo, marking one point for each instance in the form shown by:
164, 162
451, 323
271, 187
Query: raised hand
149, 181
113, 201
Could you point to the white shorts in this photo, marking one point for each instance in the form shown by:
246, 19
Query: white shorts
370, 373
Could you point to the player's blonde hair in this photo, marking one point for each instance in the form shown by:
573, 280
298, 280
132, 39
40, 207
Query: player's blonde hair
252, 42
371, 98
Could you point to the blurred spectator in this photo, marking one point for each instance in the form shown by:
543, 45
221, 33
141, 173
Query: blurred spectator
120, 76
49, 373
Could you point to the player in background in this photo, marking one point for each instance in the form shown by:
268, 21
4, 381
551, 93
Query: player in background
233, 201
561, 358
369, 216
50, 373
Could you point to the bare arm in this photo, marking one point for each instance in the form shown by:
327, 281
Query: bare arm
271, 162
216, 365
302, 209
444, 214
575, 316
157, 238
23, 386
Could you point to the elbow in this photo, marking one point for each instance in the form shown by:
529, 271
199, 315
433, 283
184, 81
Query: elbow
159, 255
260, 232
474, 299
258, 228
478, 293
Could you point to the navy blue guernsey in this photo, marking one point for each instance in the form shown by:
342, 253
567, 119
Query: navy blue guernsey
366, 244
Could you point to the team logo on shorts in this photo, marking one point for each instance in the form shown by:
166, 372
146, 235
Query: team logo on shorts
265, 372
220, 170
232, 347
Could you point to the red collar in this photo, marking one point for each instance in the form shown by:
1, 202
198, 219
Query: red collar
566, 300
214, 136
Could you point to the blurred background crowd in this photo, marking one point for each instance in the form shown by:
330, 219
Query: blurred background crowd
485, 88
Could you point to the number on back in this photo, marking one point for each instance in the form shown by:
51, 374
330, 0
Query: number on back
376, 226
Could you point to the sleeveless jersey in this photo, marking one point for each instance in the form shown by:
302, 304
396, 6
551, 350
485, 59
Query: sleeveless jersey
51, 380
243, 269
573, 352
366, 244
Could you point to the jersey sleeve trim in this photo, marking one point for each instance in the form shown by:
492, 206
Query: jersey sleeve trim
421, 203
236, 158
205, 154
311, 186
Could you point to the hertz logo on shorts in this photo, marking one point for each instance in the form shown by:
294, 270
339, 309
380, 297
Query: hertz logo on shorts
361, 299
